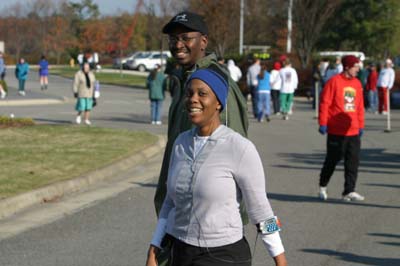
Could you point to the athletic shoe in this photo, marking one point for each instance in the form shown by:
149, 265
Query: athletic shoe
22, 93
384, 113
153, 122
3, 94
353, 196
268, 120
158, 123
87, 122
278, 113
323, 193
78, 119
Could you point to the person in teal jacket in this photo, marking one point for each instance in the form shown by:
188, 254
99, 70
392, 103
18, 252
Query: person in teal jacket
156, 86
21, 73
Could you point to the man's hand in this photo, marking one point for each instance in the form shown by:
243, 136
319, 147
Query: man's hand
361, 132
323, 129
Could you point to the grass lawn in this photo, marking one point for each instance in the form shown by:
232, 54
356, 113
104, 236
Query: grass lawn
35, 156
106, 78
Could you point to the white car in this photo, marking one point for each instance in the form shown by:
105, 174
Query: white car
148, 60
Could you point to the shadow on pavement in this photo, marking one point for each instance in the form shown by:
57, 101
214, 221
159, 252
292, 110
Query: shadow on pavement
371, 161
134, 119
304, 198
54, 121
144, 184
382, 185
354, 258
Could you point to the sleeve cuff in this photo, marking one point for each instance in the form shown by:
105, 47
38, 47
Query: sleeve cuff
159, 233
273, 244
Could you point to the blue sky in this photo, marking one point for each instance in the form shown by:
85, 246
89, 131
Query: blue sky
106, 6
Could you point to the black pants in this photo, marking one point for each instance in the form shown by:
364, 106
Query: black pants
236, 254
275, 100
338, 147
254, 100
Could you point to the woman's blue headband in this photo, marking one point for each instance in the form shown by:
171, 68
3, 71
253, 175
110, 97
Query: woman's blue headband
215, 81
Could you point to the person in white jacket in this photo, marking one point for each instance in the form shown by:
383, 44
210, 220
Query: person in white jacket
276, 84
385, 83
289, 85
234, 70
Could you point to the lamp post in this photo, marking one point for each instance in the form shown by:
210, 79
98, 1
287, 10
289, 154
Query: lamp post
241, 27
289, 25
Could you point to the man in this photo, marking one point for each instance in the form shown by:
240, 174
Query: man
289, 84
385, 83
188, 39
252, 83
341, 115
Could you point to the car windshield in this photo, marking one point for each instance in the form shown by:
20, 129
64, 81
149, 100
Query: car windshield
142, 55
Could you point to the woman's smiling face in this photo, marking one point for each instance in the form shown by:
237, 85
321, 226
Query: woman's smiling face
201, 103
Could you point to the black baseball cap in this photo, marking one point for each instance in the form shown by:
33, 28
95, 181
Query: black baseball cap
190, 20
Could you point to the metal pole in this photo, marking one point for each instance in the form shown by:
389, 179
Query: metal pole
289, 24
388, 129
316, 99
241, 27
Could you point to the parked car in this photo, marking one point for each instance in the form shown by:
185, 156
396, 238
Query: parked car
123, 60
148, 60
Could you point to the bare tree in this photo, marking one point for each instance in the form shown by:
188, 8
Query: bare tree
309, 18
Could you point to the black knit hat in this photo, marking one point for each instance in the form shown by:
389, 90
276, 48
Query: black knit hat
190, 20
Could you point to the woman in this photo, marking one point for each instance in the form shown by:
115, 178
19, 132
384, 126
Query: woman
211, 169
155, 85
83, 90
43, 73
263, 94
21, 73
276, 83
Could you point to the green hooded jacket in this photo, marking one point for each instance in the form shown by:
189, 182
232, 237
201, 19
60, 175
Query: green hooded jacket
235, 114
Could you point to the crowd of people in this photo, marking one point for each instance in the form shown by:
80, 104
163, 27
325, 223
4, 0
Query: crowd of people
375, 82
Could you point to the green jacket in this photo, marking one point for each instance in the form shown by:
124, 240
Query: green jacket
178, 121
156, 87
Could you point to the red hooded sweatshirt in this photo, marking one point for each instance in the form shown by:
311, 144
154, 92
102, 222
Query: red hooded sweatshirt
342, 106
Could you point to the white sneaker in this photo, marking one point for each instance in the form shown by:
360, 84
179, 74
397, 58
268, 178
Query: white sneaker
87, 122
3, 95
78, 119
384, 113
353, 196
158, 123
22, 93
153, 122
323, 193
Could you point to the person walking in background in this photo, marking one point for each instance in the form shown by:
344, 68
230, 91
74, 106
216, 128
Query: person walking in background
263, 94
156, 85
83, 88
234, 70
371, 88
43, 73
341, 115
385, 83
210, 166
289, 85
3, 85
252, 83
2, 67
276, 84
363, 76
21, 73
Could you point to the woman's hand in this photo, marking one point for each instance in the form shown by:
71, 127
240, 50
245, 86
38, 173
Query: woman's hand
280, 260
151, 256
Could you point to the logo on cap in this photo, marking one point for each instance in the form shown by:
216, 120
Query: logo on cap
180, 18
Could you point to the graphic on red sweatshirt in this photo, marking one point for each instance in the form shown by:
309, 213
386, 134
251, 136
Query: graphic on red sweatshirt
349, 99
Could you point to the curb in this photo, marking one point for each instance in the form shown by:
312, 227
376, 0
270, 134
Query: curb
12, 205
33, 102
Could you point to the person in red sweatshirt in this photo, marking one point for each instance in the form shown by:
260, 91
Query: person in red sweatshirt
371, 87
341, 115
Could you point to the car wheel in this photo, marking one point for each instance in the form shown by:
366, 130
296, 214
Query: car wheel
141, 68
